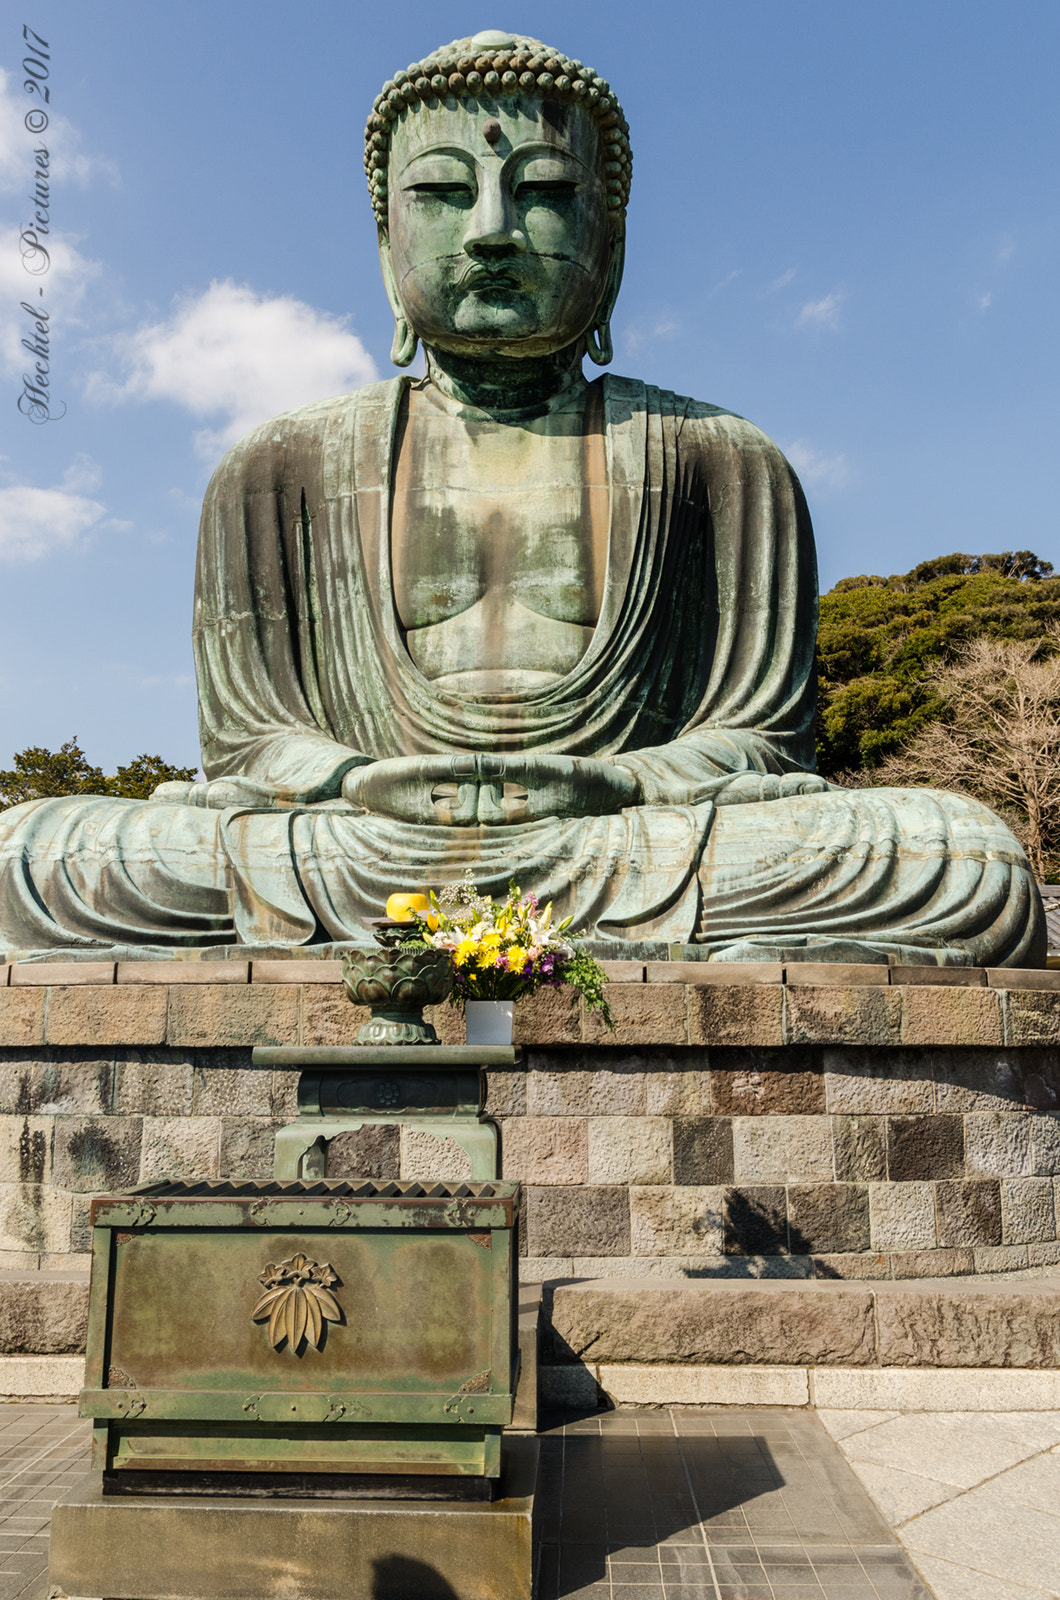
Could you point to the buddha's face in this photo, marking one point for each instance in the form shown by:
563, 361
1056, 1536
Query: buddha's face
499, 240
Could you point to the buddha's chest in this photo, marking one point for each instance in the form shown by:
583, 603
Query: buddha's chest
498, 549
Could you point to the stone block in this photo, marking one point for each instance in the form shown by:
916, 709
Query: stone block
902, 1216
505, 1094
217, 1015
1006, 1258
998, 1144
546, 1149
859, 1146
25, 1149
247, 1147
48, 1378
963, 977
701, 1322
730, 974
431, 1156
1048, 1254
1033, 1016
751, 1015
929, 1263
665, 1221
626, 971
22, 1260
229, 1091
166, 972
1028, 1213
35, 1217
1045, 1143
569, 1221
559, 1085
296, 972
977, 1080
836, 974
863, 1083
755, 1221
939, 1015
645, 1013
935, 1389
851, 1267
180, 1147
551, 1016
703, 1150
373, 1151
284, 1094
630, 1150
751, 1084
327, 1016
1022, 978
921, 1149
157, 1088
49, 973
831, 1217
702, 1386
676, 1093
782, 1149
1013, 1326
968, 1213
135, 1014
96, 1154
447, 1021
47, 1083
43, 1315
21, 1017
543, 1269
870, 1015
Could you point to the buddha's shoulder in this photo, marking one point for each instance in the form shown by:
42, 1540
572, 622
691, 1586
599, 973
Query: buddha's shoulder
304, 431
697, 423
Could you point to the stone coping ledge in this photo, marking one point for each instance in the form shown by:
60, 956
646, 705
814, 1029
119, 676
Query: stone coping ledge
725, 974
931, 1323
232, 1005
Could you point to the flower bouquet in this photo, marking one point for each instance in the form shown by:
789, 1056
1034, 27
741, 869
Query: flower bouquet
502, 952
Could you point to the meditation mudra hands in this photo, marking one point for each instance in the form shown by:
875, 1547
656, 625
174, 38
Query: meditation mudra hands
488, 790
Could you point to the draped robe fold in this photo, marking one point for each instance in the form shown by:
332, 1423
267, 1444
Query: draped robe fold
700, 667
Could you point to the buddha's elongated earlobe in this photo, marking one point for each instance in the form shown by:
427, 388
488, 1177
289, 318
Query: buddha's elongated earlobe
599, 346
403, 350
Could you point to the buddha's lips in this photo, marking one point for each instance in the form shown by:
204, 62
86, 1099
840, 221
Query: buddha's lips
479, 277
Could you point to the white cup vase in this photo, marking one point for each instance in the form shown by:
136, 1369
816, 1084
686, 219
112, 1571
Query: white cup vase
489, 1021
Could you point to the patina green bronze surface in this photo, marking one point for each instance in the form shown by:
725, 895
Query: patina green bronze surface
508, 619
302, 1328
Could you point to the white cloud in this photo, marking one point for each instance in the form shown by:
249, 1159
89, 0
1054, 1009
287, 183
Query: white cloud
67, 161
781, 282
817, 471
238, 358
823, 313
38, 522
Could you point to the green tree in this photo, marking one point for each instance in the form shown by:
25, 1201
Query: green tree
39, 774
881, 638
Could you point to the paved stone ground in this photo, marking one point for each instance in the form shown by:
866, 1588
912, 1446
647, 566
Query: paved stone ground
43, 1449
636, 1505
973, 1496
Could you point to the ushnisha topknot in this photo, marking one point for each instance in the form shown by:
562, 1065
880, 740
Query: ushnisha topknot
497, 63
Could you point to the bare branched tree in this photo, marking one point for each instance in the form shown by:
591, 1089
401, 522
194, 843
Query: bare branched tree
998, 738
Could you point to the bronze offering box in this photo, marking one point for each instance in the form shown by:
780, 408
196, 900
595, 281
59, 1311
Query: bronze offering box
302, 1338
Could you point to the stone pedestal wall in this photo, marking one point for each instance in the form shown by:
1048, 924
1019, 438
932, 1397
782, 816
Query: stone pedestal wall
829, 1122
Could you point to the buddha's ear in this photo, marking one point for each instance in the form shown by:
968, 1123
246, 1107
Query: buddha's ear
403, 349
598, 343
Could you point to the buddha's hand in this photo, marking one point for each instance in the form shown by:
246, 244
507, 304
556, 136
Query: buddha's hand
489, 791
751, 788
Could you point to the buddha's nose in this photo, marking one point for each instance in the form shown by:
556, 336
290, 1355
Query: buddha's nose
493, 225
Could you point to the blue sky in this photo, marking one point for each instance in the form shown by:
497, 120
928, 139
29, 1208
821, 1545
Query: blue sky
843, 226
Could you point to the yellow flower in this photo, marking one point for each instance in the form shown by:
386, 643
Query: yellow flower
463, 952
516, 958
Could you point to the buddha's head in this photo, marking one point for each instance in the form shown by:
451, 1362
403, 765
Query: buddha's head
499, 172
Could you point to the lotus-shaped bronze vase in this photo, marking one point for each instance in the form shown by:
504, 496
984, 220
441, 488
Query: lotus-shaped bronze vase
397, 984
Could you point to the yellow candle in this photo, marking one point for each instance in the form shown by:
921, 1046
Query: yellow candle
403, 907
